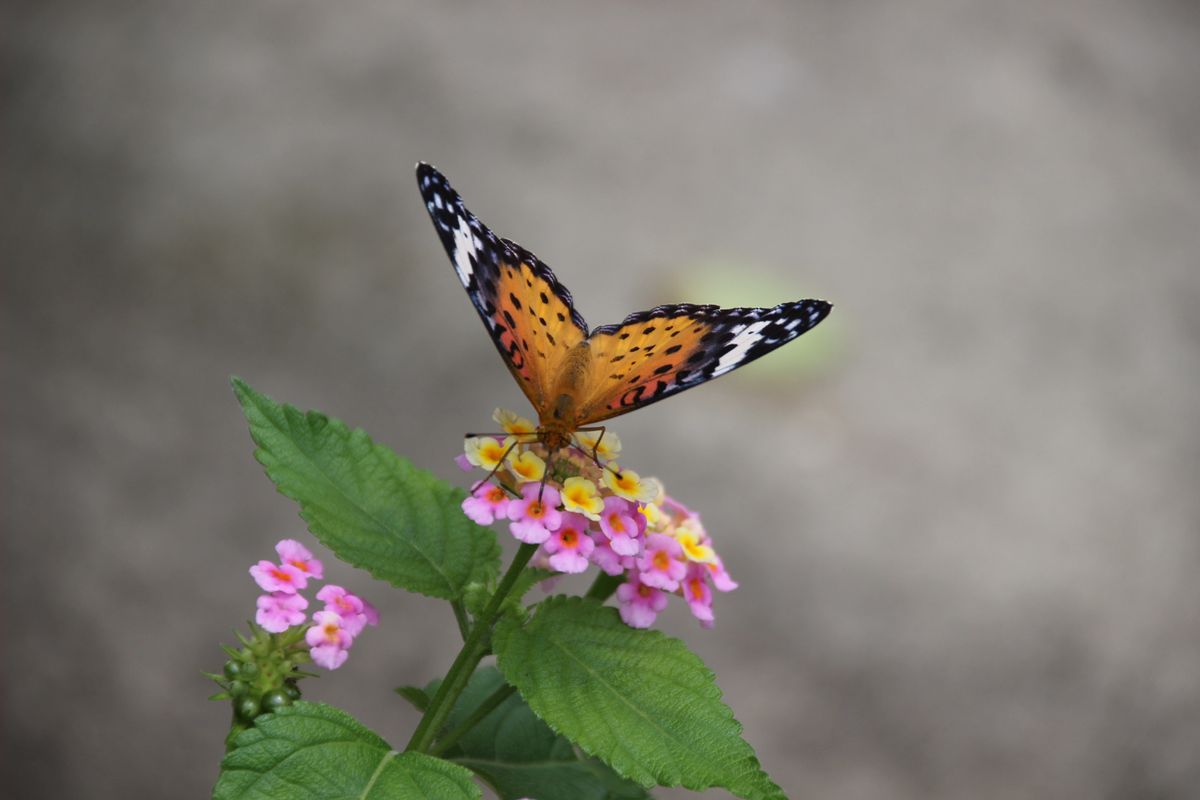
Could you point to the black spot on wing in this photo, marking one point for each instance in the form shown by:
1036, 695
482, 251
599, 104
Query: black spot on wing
545, 273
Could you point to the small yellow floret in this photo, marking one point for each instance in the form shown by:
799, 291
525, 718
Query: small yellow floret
628, 484
527, 466
513, 423
581, 496
692, 548
485, 451
606, 447
656, 520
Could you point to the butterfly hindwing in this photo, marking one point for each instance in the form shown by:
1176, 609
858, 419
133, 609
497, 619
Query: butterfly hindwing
655, 354
528, 314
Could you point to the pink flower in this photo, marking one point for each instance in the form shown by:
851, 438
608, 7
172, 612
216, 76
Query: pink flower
276, 578
640, 603
533, 520
328, 639
662, 565
720, 578
463, 462
279, 611
622, 524
355, 612
486, 504
570, 545
607, 559
292, 553
698, 595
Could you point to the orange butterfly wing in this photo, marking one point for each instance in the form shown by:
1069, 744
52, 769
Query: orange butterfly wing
655, 354
528, 314
532, 320
534, 324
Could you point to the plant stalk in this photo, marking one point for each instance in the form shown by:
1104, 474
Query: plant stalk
486, 707
603, 587
460, 616
472, 652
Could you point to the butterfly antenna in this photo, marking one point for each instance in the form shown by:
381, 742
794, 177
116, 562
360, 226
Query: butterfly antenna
502, 434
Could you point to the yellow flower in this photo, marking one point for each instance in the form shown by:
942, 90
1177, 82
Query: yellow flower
607, 447
486, 451
628, 484
689, 538
513, 423
527, 466
656, 520
582, 496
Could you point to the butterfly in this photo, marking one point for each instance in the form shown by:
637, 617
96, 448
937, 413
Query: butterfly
574, 377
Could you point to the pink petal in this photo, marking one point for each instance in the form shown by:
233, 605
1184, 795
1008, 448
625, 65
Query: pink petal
529, 532
329, 656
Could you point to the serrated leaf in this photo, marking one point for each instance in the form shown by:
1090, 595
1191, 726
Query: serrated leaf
637, 699
371, 507
519, 756
309, 751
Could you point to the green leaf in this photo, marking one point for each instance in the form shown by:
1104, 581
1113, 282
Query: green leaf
637, 699
416, 696
519, 756
309, 751
371, 507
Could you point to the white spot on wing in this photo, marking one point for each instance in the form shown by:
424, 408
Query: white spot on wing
746, 338
465, 247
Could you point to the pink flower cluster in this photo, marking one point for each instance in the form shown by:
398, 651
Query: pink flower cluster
583, 509
333, 628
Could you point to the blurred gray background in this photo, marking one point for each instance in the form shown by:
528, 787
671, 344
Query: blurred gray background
964, 513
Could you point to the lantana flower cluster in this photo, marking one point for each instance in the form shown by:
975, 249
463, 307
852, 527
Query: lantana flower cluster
585, 509
333, 628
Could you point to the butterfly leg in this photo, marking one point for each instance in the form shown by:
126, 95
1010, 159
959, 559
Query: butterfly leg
596, 447
502, 459
502, 435
546, 475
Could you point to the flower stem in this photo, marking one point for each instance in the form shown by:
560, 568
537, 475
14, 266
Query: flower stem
486, 707
460, 616
603, 587
473, 651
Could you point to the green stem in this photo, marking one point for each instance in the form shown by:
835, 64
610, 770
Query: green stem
460, 616
473, 651
603, 587
486, 707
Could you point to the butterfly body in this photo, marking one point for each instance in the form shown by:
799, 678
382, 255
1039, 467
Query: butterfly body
574, 377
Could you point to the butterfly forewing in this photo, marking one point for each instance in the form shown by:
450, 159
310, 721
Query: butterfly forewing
655, 354
528, 313
536, 320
